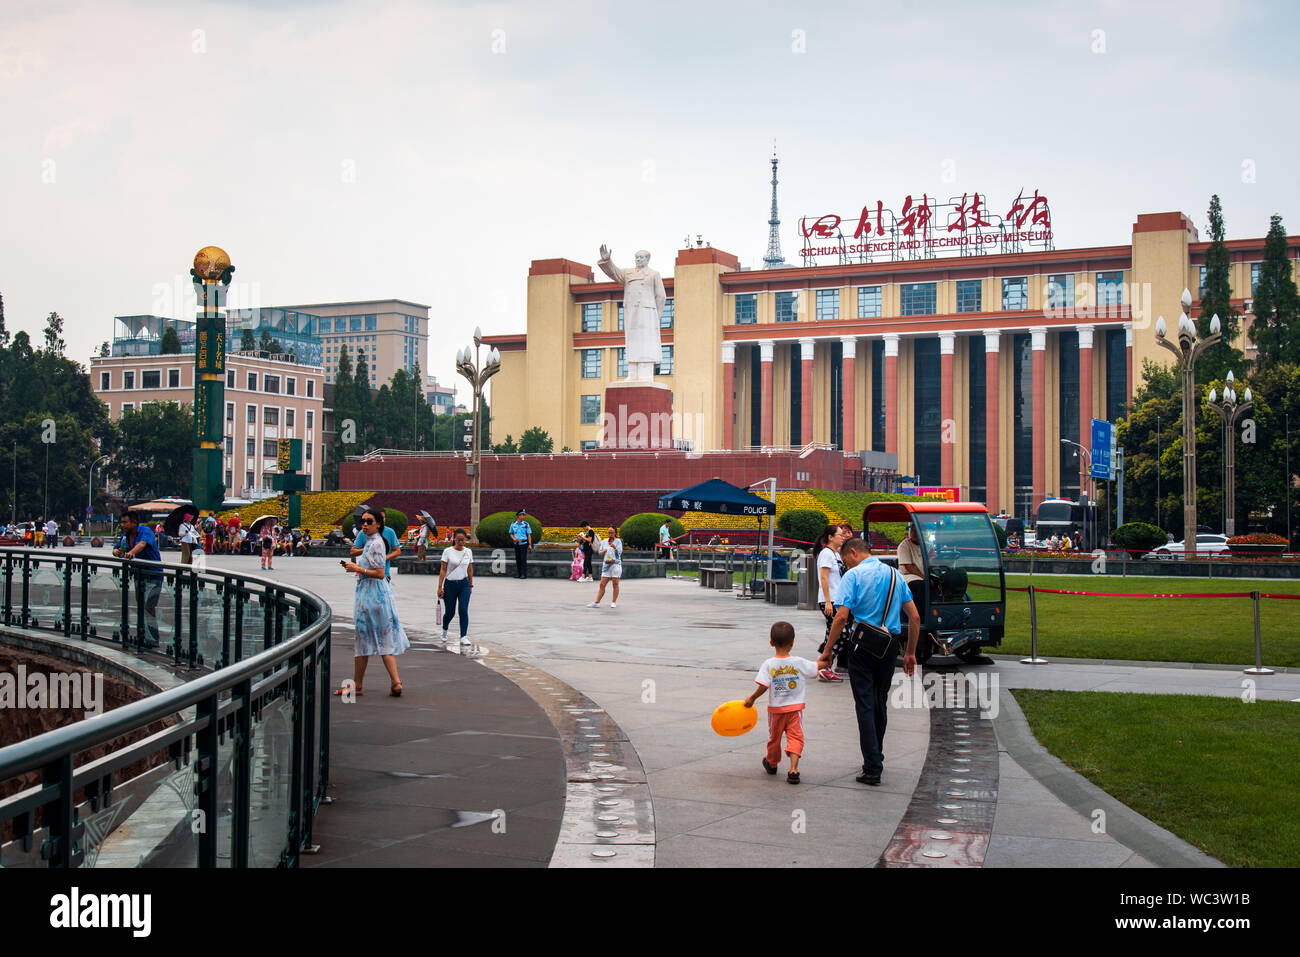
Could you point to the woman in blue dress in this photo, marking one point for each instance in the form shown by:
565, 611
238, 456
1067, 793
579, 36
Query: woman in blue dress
378, 632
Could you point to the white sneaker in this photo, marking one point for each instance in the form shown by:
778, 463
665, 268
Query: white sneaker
613, 604
466, 642
593, 604
444, 638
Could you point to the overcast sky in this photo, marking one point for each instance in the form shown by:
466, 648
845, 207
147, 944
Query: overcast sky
429, 151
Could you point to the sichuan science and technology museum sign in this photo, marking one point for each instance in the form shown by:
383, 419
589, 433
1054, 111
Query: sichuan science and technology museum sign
925, 227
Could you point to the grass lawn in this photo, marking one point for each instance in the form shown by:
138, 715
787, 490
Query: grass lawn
1219, 773
1211, 630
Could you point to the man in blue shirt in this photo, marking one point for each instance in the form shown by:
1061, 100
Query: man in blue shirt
394, 548
863, 593
137, 542
521, 533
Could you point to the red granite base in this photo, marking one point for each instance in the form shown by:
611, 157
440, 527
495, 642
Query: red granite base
637, 417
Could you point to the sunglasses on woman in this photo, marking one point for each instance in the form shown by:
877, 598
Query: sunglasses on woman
367, 521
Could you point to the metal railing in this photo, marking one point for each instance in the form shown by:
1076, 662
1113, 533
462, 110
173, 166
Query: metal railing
225, 770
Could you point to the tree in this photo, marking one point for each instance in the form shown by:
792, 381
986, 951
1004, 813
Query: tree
4, 333
270, 344
1215, 361
105, 350
54, 343
1276, 329
171, 342
154, 453
246, 341
344, 412
507, 447
535, 440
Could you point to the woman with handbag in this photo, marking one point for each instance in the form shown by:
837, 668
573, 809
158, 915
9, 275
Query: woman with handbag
378, 632
826, 559
611, 570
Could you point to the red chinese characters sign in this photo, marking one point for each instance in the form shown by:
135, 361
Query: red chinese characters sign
924, 226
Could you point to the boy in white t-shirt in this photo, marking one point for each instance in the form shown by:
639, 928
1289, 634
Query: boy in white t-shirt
784, 674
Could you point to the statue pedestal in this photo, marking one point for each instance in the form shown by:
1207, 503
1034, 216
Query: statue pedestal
638, 415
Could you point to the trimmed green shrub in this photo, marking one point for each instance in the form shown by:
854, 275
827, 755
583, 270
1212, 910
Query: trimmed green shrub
802, 524
494, 530
1001, 533
642, 530
1138, 536
392, 519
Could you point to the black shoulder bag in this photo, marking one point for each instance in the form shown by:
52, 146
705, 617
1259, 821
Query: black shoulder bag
876, 640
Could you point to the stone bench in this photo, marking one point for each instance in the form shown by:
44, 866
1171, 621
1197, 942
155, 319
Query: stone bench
712, 577
779, 591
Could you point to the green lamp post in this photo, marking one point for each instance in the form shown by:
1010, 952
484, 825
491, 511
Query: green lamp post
211, 275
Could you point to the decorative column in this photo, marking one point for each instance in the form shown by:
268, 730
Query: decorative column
1038, 336
1128, 361
992, 421
211, 275
947, 426
848, 395
806, 389
765, 354
1085, 404
891, 394
728, 393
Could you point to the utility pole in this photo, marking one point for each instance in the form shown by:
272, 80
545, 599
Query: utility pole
1119, 471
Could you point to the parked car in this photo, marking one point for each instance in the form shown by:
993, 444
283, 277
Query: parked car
1206, 544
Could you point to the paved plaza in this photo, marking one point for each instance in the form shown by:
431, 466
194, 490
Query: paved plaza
593, 726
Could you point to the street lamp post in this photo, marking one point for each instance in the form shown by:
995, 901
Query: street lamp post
90, 487
1229, 411
467, 364
1089, 514
1187, 351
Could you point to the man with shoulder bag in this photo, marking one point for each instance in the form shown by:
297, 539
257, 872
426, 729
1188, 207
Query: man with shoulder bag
875, 595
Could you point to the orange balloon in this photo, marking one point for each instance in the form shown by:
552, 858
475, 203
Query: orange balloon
733, 718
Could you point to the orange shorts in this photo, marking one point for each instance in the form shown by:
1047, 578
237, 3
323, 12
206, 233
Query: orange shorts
789, 723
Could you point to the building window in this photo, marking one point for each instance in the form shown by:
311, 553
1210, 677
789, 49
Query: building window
828, 304
128, 381
1068, 414
1015, 293
747, 309
104, 379
970, 295
173, 378
916, 299
590, 411
290, 386
252, 382
1022, 405
1116, 374
837, 394
1060, 291
621, 363
787, 308
1110, 288
372, 323
620, 315
878, 395
270, 448
311, 388
248, 480
354, 323
229, 476
976, 430
230, 378
230, 412
230, 445
252, 414
587, 445
665, 360
128, 407
796, 394
756, 394
308, 451
1254, 276
271, 384
310, 418
1200, 293
289, 418
927, 424
250, 447
868, 302
591, 317
591, 363
270, 415
666, 319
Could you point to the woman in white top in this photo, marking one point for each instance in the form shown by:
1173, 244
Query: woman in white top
455, 580
826, 553
187, 540
611, 566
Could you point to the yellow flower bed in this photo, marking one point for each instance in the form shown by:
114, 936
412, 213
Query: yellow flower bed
319, 511
564, 534
785, 501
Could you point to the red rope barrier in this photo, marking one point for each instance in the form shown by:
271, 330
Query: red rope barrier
1124, 594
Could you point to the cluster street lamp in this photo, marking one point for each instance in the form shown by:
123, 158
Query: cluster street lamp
90, 487
1228, 411
1187, 351
467, 364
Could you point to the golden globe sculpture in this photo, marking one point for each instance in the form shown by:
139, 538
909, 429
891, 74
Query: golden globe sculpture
210, 263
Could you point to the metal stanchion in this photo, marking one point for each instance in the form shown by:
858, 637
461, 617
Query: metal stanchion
1033, 658
1259, 668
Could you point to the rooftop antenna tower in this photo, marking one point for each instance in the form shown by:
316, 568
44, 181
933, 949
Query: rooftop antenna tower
773, 259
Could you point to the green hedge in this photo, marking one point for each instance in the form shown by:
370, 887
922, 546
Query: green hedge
642, 530
495, 529
393, 519
1138, 536
1001, 533
802, 524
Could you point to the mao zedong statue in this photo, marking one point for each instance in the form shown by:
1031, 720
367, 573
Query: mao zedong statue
643, 304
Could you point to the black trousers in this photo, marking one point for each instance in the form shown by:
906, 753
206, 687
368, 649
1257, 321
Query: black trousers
586, 562
521, 559
841, 649
869, 678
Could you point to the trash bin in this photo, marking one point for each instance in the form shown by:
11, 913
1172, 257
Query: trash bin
780, 566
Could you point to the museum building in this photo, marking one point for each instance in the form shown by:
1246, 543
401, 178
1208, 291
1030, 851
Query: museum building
970, 369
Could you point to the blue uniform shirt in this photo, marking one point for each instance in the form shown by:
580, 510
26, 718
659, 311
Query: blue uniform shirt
142, 534
390, 537
863, 589
520, 531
